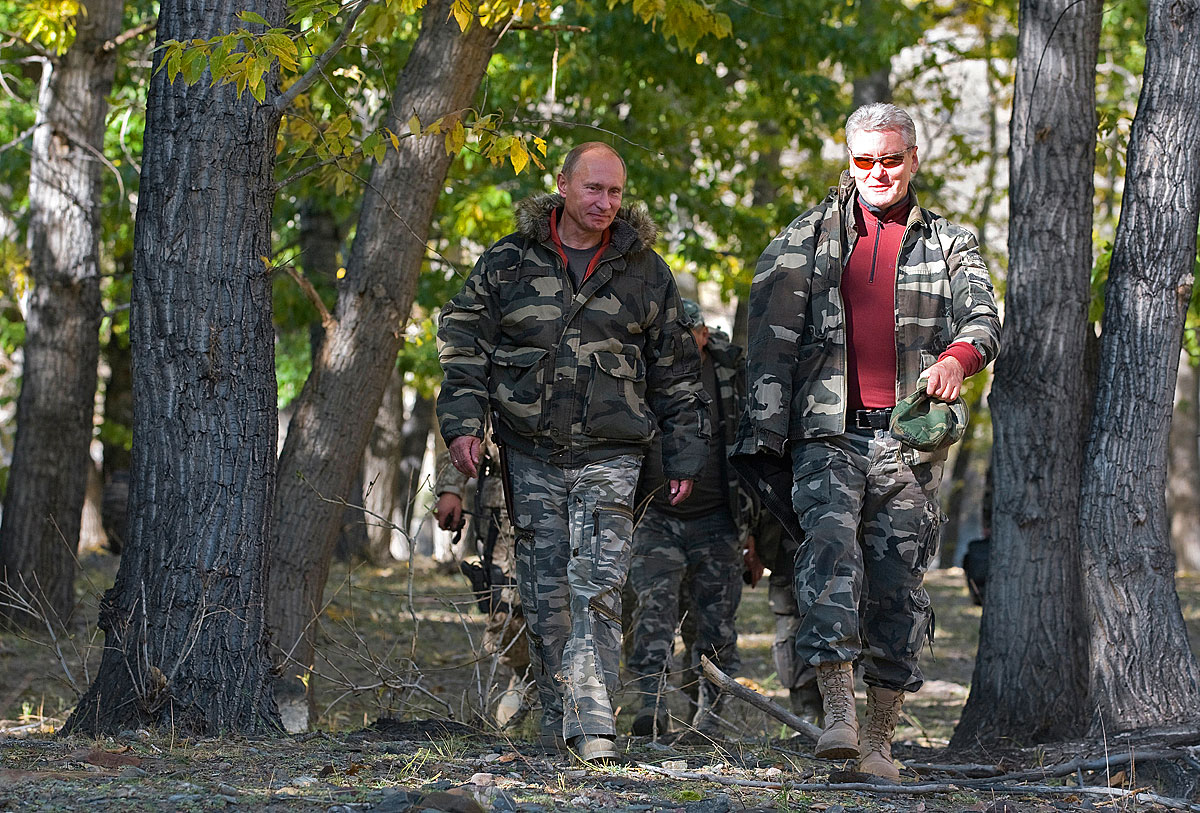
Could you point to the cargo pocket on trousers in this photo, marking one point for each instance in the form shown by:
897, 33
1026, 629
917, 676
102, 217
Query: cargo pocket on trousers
929, 539
612, 533
812, 487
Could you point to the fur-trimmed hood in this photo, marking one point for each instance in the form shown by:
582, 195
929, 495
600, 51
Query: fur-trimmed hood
633, 230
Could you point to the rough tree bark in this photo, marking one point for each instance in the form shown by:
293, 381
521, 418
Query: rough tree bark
1183, 468
1143, 672
336, 408
39, 535
1031, 672
185, 627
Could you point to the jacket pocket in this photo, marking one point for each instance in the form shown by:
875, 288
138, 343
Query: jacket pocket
517, 383
615, 407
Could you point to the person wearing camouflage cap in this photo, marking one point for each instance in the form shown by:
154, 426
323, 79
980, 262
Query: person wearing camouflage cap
850, 306
570, 333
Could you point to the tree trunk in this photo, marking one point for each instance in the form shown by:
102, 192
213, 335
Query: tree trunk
186, 643
39, 534
341, 397
392, 466
1031, 672
1183, 469
1143, 672
954, 488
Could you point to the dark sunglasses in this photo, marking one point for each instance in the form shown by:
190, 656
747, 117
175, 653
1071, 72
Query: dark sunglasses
892, 161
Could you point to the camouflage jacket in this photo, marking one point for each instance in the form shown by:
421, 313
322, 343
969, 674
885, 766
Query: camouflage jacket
797, 332
797, 329
573, 377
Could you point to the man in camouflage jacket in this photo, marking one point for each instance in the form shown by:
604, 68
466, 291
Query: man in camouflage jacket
569, 331
851, 305
696, 545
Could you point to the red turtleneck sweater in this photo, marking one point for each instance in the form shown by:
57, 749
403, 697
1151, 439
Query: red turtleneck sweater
869, 293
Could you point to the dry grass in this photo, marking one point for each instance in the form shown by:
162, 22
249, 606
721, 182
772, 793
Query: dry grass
407, 648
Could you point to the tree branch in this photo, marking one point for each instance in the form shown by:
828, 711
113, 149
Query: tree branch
126, 36
44, 53
327, 320
284, 100
574, 29
728, 684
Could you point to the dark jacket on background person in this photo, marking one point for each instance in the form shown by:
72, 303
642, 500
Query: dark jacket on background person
574, 377
797, 331
729, 365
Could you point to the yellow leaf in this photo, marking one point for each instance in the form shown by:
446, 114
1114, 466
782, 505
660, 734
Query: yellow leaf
341, 272
414, 125
540, 143
519, 156
265, 261
395, 139
455, 139
462, 14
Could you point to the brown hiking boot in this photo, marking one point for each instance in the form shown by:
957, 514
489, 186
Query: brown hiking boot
839, 740
875, 739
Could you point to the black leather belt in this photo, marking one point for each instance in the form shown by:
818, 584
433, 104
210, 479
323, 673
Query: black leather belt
872, 418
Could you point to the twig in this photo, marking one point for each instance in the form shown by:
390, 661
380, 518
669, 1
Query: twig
572, 29
728, 684
284, 100
928, 788
327, 320
131, 34
1075, 765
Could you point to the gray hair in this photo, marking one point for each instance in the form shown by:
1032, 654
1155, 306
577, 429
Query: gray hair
568, 167
879, 116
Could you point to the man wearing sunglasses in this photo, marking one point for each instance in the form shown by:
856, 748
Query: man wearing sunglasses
856, 303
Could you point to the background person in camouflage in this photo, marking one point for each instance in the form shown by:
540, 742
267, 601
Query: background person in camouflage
569, 330
699, 540
850, 305
493, 537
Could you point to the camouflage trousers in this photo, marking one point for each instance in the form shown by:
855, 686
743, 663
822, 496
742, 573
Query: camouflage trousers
871, 523
793, 673
574, 530
667, 551
503, 636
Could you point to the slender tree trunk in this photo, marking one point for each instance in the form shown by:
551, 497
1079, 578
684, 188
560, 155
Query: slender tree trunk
1143, 671
185, 629
392, 466
39, 535
341, 397
1183, 469
1031, 672
955, 488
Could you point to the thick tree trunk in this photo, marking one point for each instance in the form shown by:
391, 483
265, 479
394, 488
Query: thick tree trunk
39, 535
1031, 672
336, 409
185, 629
1143, 671
1183, 469
392, 466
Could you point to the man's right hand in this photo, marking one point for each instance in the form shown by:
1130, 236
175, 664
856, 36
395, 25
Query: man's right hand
448, 511
465, 454
754, 565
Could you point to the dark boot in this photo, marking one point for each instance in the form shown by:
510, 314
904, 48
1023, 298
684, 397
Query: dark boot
707, 720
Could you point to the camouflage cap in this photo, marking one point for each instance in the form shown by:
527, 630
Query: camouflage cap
926, 423
692, 314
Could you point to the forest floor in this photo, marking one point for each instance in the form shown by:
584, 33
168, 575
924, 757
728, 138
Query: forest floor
400, 694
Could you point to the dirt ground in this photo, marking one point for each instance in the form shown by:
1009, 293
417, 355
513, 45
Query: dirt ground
401, 691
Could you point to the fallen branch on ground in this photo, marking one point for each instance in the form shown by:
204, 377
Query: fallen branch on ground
765, 704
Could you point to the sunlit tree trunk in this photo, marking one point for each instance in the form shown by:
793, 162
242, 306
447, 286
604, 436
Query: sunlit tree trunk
1183, 469
1143, 672
47, 483
1030, 676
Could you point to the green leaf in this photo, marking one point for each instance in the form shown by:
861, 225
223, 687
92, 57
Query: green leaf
251, 17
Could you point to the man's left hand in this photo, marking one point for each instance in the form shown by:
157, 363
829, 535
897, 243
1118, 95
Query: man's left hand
945, 379
679, 490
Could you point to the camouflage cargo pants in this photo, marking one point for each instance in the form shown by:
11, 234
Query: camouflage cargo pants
574, 529
793, 673
503, 635
666, 551
871, 531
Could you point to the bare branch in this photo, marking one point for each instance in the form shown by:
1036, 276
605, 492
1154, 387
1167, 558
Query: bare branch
574, 29
327, 320
728, 684
41, 51
284, 100
126, 36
